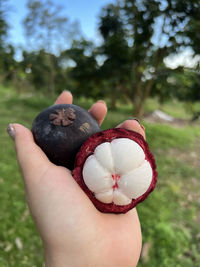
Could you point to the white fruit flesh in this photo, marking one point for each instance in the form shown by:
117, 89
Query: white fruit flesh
117, 172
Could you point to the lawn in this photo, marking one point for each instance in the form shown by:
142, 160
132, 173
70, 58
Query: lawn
169, 217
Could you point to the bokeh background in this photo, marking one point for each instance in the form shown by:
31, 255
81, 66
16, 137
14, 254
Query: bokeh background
142, 58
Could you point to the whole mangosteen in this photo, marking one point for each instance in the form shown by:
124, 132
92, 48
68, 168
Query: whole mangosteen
61, 129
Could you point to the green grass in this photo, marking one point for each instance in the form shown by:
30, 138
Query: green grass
169, 217
173, 108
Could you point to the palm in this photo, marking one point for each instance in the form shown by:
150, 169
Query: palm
68, 219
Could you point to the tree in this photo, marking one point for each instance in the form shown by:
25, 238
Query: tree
151, 30
3, 36
36, 66
47, 29
115, 48
84, 72
187, 84
3, 23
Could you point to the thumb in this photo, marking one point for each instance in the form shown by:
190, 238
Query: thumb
32, 160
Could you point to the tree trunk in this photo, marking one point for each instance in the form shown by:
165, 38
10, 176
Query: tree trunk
4, 76
138, 107
140, 98
113, 100
51, 85
51, 78
17, 82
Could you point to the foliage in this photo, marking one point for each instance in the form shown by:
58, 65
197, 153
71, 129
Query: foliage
144, 33
182, 84
36, 66
44, 25
5, 55
115, 49
84, 73
127, 65
47, 29
3, 23
187, 85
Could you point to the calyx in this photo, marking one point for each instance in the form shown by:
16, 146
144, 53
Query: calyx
63, 117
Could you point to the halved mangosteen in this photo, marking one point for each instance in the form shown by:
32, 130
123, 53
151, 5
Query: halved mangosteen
116, 170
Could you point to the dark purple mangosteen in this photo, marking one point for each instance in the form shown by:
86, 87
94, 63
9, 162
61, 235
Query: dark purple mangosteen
61, 129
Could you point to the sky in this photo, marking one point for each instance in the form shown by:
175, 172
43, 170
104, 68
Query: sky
85, 11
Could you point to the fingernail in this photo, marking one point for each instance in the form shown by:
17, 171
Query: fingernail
67, 91
133, 118
11, 131
136, 119
101, 101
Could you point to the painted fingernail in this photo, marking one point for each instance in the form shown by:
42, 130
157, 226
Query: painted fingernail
133, 118
11, 131
101, 101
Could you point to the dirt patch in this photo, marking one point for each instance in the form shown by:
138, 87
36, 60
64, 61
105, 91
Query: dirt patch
160, 117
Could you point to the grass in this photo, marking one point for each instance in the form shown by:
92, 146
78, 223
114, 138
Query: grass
169, 217
172, 108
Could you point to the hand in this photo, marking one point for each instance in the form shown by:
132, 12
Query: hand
73, 231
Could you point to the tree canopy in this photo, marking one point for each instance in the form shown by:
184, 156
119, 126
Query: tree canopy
128, 64
138, 35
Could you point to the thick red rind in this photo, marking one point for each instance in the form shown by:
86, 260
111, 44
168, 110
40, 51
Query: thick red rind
88, 148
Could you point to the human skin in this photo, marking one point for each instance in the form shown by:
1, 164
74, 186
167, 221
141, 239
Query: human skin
73, 231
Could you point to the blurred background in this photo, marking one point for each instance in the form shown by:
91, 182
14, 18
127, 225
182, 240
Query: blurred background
142, 57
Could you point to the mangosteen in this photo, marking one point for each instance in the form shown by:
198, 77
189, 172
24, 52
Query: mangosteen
61, 129
116, 170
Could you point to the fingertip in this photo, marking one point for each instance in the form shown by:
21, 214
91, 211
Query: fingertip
133, 125
23, 134
11, 131
64, 98
99, 110
23, 138
30, 156
101, 101
20, 130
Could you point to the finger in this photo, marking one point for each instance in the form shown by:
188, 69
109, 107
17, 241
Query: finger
64, 98
32, 160
133, 125
98, 111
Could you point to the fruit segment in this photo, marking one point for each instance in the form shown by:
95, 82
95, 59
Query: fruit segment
97, 178
104, 156
120, 199
135, 183
127, 155
105, 197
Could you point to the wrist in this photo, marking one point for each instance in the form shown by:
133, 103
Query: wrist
63, 259
52, 260
55, 258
